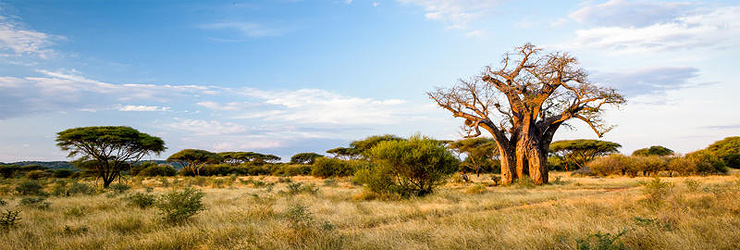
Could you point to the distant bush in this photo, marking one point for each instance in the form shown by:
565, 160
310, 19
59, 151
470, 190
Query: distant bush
408, 168
615, 164
178, 206
35, 202
80, 188
157, 170
37, 174
63, 173
331, 167
30, 187
141, 200
291, 170
119, 188
699, 162
9, 171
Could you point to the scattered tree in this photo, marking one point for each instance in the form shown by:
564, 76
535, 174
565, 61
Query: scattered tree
575, 154
481, 152
110, 148
194, 159
541, 93
344, 153
653, 150
235, 158
305, 158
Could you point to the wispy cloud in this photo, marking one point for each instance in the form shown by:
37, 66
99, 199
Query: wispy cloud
626, 27
650, 81
455, 14
16, 41
143, 108
244, 29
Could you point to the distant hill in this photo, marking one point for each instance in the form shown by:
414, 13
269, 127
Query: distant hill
54, 165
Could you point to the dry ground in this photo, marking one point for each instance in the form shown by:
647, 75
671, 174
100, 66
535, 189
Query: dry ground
701, 213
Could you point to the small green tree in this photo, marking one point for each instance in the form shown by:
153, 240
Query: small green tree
193, 160
576, 154
415, 166
112, 149
344, 153
305, 158
481, 152
653, 150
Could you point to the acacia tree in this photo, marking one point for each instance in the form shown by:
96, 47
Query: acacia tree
195, 159
579, 152
110, 149
523, 103
480, 151
653, 150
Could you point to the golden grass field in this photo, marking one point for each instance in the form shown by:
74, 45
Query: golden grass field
701, 213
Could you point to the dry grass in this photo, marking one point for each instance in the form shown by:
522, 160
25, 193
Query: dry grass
260, 213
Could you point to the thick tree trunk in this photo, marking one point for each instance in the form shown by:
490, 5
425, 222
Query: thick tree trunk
538, 166
508, 165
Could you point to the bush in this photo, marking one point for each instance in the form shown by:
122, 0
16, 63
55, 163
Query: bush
119, 188
615, 164
699, 162
158, 170
80, 188
599, 241
141, 200
36, 174
656, 191
291, 170
408, 168
37, 202
30, 187
178, 206
331, 167
63, 173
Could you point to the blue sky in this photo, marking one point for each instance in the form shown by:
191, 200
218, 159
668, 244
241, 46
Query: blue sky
285, 77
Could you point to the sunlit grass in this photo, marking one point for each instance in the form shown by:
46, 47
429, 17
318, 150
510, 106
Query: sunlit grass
261, 213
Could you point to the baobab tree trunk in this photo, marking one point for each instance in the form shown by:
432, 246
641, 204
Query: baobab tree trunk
537, 165
508, 164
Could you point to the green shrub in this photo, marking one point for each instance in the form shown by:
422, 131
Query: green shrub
119, 188
656, 191
178, 206
699, 162
599, 241
158, 170
30, 187
409, 168
80, 188
291, 170
331, 167
37, 174
63, 173
298, 187
141, 200
36, 202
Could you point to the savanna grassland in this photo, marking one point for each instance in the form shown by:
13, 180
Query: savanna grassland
310, 213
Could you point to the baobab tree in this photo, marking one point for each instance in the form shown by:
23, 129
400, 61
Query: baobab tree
524, 102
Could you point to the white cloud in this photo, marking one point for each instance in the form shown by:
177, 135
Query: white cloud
143, 108
701, 28
314, 106
622, 13
16, 41
455, 14
207, 128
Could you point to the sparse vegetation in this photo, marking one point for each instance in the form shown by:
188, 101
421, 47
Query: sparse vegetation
178, 206
342, 216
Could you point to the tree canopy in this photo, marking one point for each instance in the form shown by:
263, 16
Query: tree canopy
195, 159
244, 157
653, 150
728, 150
112, 148
305, 158
574, 154
524, 102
